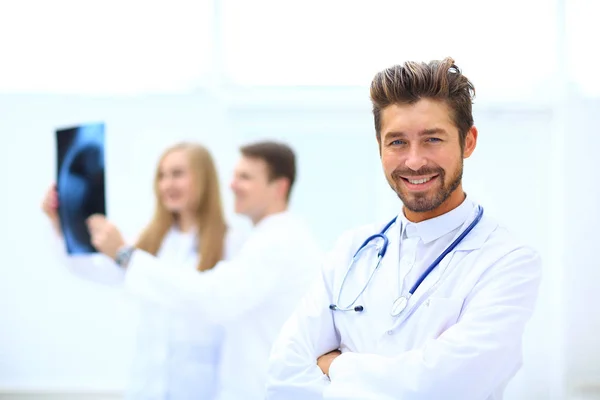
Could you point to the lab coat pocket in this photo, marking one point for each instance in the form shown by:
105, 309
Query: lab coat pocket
436, 315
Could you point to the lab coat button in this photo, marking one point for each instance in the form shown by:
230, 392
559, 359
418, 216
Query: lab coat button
390, 332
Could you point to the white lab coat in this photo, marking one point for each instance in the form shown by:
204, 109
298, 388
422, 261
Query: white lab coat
177, 354
459, 338
250, 295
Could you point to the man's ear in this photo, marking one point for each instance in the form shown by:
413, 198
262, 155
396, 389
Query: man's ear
283, 185
470, 142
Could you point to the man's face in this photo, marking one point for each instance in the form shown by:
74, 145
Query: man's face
421, 153
254, 192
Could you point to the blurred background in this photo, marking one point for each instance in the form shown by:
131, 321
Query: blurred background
228, 72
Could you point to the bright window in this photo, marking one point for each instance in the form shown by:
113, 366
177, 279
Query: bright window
108, 46
507, 48
583, 33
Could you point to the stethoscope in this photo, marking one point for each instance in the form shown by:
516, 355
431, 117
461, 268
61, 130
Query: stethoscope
401, 302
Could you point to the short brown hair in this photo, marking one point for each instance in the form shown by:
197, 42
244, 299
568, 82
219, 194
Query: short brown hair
413, 81
280, 159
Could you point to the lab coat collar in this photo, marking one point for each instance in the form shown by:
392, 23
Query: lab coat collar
174, 229
434, 228
273, 219
190, 237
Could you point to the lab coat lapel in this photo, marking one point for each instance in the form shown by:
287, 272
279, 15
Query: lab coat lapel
471, 242
476, 239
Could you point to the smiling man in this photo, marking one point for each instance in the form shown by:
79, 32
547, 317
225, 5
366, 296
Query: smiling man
431, 304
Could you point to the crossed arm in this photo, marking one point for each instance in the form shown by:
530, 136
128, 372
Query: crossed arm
468, 361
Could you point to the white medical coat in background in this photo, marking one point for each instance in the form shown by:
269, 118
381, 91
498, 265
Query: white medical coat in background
250, 295
459, 337
177, 354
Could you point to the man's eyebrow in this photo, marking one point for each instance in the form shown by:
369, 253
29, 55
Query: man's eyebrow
425, 132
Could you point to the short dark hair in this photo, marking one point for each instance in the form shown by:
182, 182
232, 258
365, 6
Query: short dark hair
413, 81
279, 157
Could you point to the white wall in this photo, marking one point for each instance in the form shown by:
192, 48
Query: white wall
581, 264
58, 331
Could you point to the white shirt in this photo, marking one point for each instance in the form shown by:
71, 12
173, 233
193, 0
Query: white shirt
459, 338
177, 355
251, 296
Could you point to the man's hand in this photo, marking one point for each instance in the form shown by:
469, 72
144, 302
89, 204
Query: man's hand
105, 237
326, 359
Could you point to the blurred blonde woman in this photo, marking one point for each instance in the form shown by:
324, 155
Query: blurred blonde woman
177, 356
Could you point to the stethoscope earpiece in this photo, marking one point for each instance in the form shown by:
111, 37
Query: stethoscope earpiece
333, 307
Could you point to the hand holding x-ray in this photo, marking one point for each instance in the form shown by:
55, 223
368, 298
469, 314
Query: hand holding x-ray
50, 207
105, 236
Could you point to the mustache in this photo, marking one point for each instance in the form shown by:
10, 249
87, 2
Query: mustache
407, 172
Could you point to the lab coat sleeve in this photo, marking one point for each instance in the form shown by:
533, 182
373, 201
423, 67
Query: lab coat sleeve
95, 267
231, 288
234, 242
293, 373
469, 360
310, 332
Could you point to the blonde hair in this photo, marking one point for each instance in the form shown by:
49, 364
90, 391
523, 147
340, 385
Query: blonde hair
210, 220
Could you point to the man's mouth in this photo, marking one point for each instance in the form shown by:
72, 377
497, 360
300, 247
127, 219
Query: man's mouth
419, 181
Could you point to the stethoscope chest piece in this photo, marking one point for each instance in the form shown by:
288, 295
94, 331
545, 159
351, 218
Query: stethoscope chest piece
398, 306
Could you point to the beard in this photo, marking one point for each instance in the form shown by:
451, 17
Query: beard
428, 200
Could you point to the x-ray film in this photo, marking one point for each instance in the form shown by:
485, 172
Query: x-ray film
80, 183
